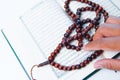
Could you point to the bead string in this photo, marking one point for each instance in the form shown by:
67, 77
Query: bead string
81, 33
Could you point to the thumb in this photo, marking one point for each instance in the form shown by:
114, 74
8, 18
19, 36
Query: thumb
113, 64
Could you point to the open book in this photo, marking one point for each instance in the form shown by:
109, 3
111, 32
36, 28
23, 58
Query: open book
46, 23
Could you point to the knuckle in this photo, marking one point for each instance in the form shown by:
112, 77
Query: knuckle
100, 42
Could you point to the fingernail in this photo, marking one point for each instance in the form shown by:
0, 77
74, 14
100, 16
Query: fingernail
85, 48
98, 66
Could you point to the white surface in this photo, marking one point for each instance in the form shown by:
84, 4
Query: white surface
11, 10
10, 68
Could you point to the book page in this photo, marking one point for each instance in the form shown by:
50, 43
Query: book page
46, 24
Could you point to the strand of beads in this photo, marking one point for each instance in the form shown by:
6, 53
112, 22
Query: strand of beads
81, 33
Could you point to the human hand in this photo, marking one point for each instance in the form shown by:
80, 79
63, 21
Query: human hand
107, 37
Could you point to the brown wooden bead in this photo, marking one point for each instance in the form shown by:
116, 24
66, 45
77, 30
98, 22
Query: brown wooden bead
52, 63
75, 37
68, 31
97, 12
64, 68
97, 6
58, 48
79, 0
80, 44
79, 10
103, 11
100, 51
74, 18
100, 8
87, 36
66, 35
82, 64
89, 59
79, 35
97, 53
80, 39
89, 2
88, 20
67, 10
50, 58
69, 13
68, 40
91, 25
68, 47
96, 27
60, 67
106, 17
65, 6
53, 54
87, 8
86, 62
69, 68
78, 26
67, 2
93, 4
78, 66
83, 32
73, 47
73, 67
56, 51
88, 28
97, 18
72, 15
94, 22
71, 27
83, 9
56, 65
78, 30
90, 39
83, 21
93, 56
82, 1
74, 25
86, 1
60, 44
105, 14
78, 48
64, 42
91, 9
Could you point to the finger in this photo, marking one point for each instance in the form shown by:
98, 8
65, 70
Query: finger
108, 63
107, 30
113, 20
109, 43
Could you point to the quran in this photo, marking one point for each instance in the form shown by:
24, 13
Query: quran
47, 23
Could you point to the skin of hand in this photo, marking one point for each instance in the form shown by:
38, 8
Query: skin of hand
107, 37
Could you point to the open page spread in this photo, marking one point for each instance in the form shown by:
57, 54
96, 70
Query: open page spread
47, 23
